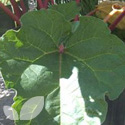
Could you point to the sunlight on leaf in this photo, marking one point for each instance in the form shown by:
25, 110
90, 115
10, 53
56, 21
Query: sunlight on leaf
72, 103
35, 76
32, 108
10, 113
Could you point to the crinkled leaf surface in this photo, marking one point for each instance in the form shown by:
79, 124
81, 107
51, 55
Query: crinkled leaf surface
31, 56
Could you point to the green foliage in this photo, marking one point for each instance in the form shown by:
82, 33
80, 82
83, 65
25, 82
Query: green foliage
88, 5
31, 63
69, 10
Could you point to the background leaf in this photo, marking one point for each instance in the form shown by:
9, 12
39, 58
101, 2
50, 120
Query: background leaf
69, 10
88, 5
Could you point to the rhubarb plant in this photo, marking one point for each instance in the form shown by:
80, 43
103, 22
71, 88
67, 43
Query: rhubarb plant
73, 65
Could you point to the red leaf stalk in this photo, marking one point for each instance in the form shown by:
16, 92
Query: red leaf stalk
118, 19
91, 13
61, 49
46, 4
40, 4
52, 2
24, 10
77, 1
17, 10
76, 18
115, 9
106, 19
8, 12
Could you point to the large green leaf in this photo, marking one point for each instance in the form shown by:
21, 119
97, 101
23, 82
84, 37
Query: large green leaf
69, 10
92, 66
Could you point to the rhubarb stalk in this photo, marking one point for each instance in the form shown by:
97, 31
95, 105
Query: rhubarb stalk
40, 4
118, 19
17, 10
109, 16
9, 13
24, 10
52, 2
46, 4
115, 8
77, 16
77, 1
91, 13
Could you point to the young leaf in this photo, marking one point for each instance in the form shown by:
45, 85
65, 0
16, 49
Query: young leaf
98, 56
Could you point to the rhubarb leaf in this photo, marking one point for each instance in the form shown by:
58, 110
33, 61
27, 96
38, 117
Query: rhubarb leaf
69, 10
92, 66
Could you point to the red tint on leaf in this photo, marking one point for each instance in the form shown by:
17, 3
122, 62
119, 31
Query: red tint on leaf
40, 4
77, 1
61, 48
46, 4
52, 2
76, 18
